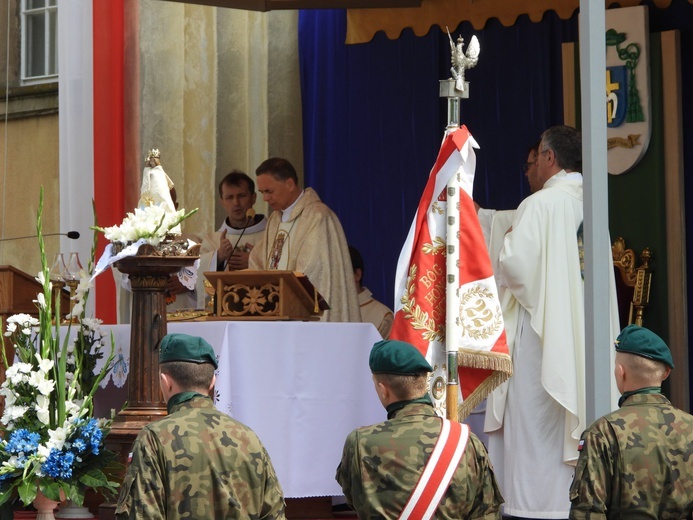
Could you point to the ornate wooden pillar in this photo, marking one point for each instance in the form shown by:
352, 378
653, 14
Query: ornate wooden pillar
148, 277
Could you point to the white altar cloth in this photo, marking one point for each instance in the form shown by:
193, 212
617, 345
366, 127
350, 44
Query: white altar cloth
302, 387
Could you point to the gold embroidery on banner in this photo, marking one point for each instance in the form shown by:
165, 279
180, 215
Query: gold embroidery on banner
476, 318
435, 208
419, 318
437, 247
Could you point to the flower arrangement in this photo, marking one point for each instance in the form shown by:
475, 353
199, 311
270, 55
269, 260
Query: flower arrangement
151, 224
51, 441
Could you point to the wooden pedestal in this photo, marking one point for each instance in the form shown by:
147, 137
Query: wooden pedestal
148, 277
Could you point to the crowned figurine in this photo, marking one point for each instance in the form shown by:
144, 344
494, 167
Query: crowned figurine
157, 186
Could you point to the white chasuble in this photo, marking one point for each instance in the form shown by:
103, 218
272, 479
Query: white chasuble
535, 420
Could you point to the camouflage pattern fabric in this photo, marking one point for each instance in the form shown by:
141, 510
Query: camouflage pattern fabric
199, 463
636, 462
381, 465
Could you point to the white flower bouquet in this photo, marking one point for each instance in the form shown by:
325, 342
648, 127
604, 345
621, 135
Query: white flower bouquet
50, 439
151, 224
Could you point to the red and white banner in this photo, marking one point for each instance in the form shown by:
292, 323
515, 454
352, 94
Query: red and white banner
438, 309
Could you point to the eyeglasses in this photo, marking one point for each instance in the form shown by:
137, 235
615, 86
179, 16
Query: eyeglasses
526, 166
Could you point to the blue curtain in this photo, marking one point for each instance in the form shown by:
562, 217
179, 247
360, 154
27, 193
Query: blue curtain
373, 121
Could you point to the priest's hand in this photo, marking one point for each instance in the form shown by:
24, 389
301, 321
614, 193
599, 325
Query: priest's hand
239, 260
225, 248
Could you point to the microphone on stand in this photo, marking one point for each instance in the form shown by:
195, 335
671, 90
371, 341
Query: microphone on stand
70, 234
249, 215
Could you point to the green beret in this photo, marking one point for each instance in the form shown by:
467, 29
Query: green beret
643, 342
191, 349
397, 357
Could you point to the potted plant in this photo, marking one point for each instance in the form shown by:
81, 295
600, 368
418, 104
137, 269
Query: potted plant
52, 445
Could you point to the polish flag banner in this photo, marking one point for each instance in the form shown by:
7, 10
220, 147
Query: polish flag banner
446, 298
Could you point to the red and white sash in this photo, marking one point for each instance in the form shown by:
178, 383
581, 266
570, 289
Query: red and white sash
436, 476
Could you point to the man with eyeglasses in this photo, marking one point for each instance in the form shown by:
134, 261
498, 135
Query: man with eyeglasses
500, 221
535, 422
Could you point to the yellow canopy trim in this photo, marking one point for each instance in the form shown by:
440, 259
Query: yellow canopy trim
362, 24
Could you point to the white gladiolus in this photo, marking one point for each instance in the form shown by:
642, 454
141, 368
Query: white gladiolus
35, 379
43, 451
41, 300
56, 438
76, 310
45, 365
46, 386
42, 409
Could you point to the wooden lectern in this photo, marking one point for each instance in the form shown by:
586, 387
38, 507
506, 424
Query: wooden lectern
265, 295
18, 291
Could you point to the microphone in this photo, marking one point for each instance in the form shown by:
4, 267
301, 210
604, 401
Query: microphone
249, 215
70, 234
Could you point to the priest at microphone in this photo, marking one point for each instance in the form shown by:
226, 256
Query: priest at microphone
229, 247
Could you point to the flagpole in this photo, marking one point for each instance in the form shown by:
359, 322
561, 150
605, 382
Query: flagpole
452, 297
448, 90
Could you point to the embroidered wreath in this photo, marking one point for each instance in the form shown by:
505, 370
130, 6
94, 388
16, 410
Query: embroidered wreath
472, 319
419, 318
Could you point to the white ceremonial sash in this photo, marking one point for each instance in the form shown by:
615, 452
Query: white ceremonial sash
436, 476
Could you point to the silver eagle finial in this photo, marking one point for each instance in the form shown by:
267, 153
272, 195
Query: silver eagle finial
461, 60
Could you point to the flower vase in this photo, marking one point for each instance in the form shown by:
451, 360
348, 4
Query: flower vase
69, 511
44, 506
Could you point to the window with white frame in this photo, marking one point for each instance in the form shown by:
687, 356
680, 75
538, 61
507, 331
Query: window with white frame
39, 41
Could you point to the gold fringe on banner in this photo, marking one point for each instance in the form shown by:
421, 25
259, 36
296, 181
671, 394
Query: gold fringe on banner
500, 364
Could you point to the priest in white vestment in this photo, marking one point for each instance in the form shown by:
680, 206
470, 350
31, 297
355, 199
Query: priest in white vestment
304, 235
535, 420
229, 247
372, 311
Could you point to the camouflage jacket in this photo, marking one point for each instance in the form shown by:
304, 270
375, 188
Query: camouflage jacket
381, 465
199, 463
636, 462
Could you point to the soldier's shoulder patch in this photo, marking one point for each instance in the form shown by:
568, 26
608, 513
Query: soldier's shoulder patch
581, 444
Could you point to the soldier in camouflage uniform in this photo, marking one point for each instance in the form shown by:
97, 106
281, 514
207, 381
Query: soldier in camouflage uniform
381, 464
637, 462
197, 462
